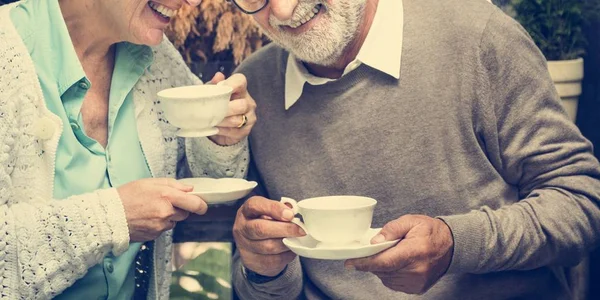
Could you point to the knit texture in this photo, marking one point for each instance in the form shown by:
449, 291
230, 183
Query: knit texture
473, 131
45, 244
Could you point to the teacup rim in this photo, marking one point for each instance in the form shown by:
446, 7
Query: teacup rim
225, 90
373, 202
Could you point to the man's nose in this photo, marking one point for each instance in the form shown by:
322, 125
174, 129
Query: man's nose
283, 10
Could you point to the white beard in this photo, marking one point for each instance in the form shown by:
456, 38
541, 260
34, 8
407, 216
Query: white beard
325, 42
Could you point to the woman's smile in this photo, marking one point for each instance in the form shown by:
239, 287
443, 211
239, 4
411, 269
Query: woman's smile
161, 12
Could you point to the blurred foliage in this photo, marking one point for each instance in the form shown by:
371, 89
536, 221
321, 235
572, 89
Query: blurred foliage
208, 276
557, 26
215, 30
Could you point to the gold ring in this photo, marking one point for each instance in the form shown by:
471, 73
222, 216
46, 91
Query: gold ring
244, 121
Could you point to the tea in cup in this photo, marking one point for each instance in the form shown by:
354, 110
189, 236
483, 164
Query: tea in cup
334, 220
195, 109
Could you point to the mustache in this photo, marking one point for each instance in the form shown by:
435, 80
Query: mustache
301, 10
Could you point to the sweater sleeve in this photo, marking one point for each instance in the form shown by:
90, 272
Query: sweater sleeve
207, 159
46, 245
287, 287
535, 147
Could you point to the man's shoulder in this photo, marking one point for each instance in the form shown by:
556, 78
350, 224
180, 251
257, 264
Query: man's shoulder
268, 60
452, 18
462, 14
457, 25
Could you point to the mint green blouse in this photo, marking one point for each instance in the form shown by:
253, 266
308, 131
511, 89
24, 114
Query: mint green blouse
82, 164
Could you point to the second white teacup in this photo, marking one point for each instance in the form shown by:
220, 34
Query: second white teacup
334, 220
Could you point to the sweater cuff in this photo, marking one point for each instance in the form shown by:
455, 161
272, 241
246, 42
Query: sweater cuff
287, 286
224, 155
286, 279
468, 231
116, 219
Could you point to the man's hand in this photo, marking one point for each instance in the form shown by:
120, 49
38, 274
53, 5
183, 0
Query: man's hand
418, 261
241, 114
155, 205
260, 226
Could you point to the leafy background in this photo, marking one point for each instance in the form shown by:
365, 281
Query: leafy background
206, 276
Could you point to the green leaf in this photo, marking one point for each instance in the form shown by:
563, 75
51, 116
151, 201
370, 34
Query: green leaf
556, 25
213, 262
212, 270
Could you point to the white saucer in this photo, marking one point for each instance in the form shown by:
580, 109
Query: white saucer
220, 190
306, 246
191, 133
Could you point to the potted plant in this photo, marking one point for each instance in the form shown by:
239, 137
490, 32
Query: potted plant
556, 27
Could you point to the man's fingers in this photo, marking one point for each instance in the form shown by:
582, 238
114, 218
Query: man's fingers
266, 247
188, 202
394, 230
389, 260
260, 229
256, 207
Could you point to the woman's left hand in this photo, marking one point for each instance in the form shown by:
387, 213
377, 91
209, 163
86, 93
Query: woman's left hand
241, 114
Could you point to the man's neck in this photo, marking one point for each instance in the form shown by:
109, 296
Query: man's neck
337, 70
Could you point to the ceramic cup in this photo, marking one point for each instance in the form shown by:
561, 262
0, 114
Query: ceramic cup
195, 109
334, 220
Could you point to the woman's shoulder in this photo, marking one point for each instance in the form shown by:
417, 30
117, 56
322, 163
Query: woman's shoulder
18, 79
168, 65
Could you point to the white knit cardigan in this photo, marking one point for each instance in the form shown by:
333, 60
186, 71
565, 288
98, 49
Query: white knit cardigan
46, 244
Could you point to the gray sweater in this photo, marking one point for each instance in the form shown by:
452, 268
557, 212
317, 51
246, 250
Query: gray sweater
473, 131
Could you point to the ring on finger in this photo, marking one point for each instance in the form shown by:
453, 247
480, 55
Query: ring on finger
244, 121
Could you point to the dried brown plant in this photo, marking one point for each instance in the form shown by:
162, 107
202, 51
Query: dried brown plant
214, 28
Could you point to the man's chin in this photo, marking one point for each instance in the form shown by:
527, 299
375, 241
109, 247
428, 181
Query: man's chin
329, 59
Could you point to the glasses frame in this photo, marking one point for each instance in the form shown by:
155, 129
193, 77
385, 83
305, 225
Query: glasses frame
246, 11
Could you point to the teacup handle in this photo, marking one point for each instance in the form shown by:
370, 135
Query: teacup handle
294, 204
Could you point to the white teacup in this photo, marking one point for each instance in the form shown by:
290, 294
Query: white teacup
195, 109
334, 220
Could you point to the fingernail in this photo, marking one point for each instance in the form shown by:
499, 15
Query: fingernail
287, 214
301, 231
379, 238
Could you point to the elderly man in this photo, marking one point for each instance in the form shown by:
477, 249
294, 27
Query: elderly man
445, 113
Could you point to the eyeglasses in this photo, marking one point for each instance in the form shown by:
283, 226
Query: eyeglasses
250, 6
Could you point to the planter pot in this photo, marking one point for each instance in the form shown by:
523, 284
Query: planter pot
567, 76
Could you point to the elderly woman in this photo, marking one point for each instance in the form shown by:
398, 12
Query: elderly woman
86, 160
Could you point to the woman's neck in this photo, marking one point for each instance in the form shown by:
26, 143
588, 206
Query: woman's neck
90, 36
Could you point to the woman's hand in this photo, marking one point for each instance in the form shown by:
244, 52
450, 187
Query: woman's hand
154, 205
241, 115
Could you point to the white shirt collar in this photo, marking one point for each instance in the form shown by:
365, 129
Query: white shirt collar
382, 50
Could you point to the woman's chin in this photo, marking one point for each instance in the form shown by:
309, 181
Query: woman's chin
153, 37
